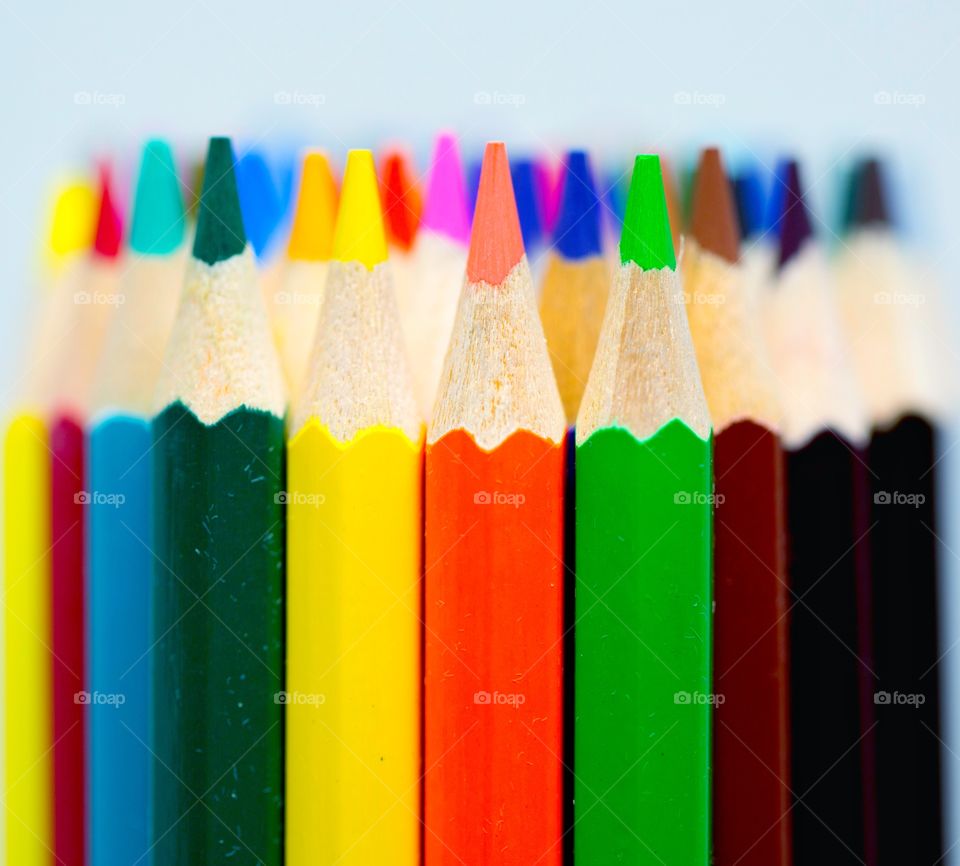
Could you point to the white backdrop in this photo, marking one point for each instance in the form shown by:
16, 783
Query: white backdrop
827, 80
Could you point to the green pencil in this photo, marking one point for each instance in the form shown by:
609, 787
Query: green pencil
642, 696
218, 450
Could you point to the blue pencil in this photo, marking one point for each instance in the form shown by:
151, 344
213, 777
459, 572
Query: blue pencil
120, 542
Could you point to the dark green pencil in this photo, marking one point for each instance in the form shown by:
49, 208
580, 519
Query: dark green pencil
218, 452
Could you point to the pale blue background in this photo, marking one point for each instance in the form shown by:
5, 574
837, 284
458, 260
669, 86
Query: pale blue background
802, 74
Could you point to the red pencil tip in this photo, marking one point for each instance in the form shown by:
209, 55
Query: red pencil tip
496, 244
106, 240
401, 200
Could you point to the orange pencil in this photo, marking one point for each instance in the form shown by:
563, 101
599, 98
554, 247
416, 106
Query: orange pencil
494, 564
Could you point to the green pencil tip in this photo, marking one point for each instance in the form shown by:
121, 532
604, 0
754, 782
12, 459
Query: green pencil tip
646, 238
220, 232
158, 227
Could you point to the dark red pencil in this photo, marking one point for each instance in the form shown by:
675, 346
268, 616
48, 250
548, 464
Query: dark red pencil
87, 309
751, 770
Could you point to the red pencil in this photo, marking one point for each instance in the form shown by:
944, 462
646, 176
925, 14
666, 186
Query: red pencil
87, 317
494, 564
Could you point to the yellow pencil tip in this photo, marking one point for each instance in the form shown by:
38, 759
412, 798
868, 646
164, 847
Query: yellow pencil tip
359, 235
311, 236
72, 220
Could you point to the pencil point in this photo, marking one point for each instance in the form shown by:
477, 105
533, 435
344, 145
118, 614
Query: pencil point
713, 220
401, 200
311, 236
220, 231
496, 243
71, 227
158, 215
259, 201
774, 208
445, 212
869, 198
647, 240
674, 204
359, 234
795, 226
106, 239
523, 174
577, 232
748, 190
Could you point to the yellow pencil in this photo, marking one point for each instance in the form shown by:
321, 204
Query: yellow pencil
28, 794
296, 306
354, 559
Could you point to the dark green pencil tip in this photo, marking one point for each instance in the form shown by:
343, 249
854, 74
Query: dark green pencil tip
220, 233
646, 238
158, 228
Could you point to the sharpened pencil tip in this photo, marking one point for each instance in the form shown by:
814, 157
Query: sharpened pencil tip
311, 235
713, 220
647, 240
157, 227
359, 235
496, 243
107, 238
578, 234
445, 211
220, 230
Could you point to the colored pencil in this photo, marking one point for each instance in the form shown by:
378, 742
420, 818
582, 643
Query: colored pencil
428, 308
120, 520
90, 310
827, 490
550, 174
643, 603
523, 173
296, 305
575, 284
28, 730
402, 209
751, 771
881, 296
494, 563
262, 213
218, 602
354, 558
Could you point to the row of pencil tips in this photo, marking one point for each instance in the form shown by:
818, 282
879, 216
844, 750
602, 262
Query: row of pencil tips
568, 219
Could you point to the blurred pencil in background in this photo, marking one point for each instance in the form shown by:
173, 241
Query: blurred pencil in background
827, 523
439, 257
751, 740
28, 723
120, 553
88, 313
297, 304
